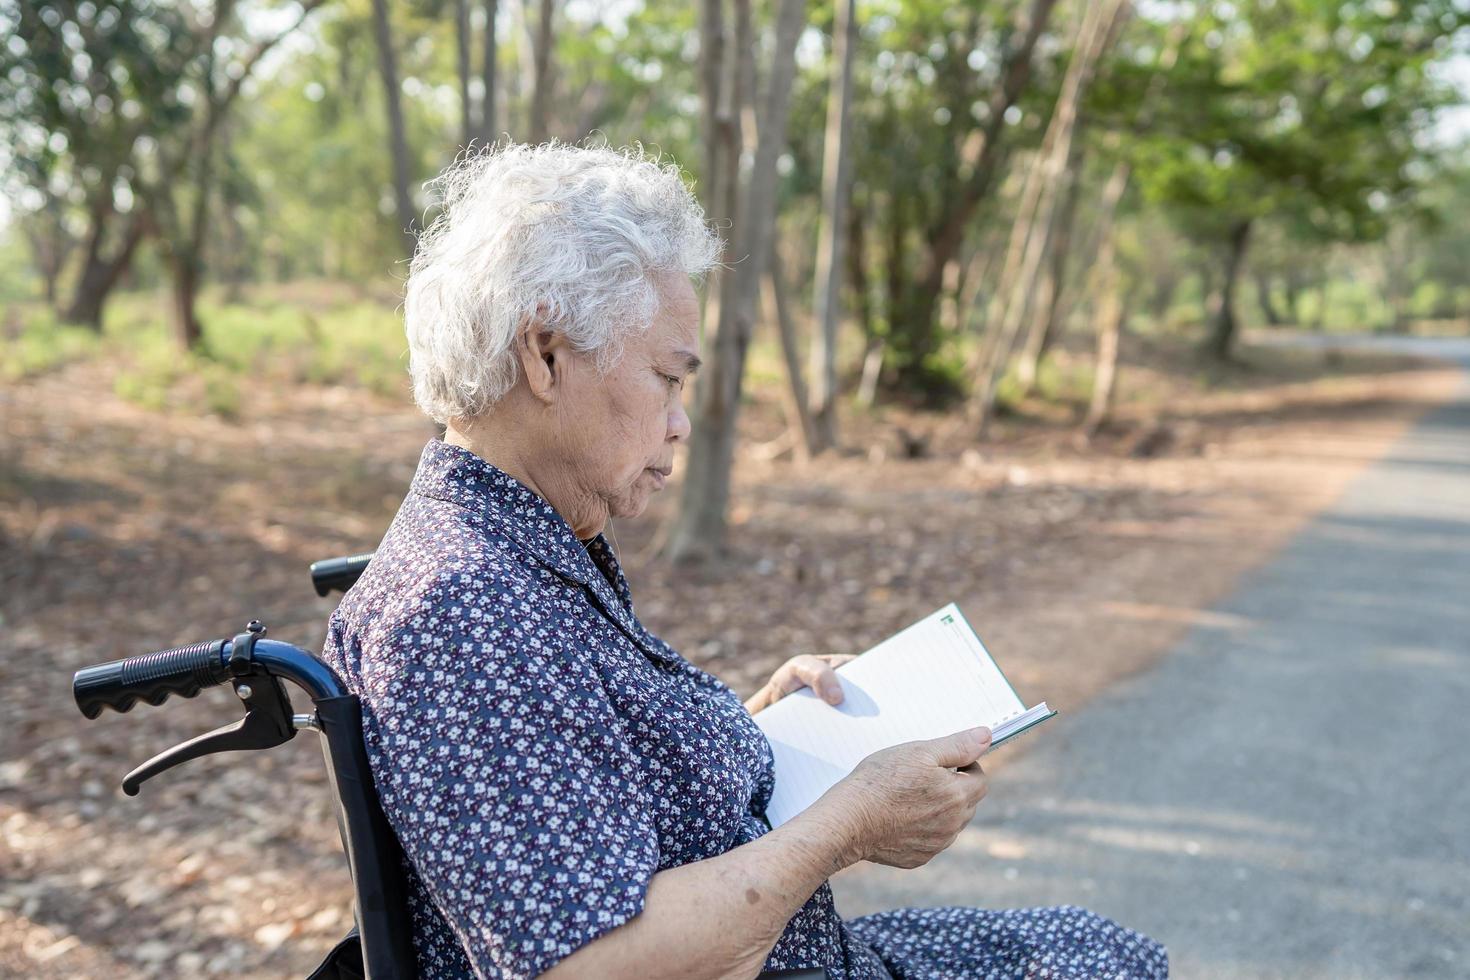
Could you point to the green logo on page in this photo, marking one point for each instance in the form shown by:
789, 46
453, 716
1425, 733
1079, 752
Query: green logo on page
946, 619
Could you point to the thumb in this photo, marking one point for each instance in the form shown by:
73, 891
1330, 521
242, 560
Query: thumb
961, 748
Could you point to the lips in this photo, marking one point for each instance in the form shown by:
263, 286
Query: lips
660, 475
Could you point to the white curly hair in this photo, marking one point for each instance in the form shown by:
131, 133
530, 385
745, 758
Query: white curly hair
573, 234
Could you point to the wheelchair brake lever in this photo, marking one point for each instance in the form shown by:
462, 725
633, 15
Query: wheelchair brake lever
267, 723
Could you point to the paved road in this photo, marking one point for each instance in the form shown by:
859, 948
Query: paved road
1288, 793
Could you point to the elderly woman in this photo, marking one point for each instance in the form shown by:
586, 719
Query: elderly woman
574, 797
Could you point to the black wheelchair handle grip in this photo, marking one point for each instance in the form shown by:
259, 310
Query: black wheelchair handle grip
338, 573
152, 677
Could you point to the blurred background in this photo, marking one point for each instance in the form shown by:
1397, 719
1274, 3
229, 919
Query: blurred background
1031, 306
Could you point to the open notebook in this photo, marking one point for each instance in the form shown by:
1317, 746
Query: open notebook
930, 680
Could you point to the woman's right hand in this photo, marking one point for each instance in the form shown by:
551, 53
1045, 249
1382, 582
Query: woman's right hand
903, 805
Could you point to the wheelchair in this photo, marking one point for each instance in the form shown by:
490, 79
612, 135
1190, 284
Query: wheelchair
379, 946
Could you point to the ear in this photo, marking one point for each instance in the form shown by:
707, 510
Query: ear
544, 356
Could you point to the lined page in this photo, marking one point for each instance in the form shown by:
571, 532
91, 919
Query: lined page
932, 679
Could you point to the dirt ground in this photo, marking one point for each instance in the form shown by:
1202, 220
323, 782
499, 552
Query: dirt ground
122, 530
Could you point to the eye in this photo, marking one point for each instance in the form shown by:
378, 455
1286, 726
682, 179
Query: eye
673, 381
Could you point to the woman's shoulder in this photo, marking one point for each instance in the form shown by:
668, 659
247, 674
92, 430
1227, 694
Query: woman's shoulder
429, 566
433, 550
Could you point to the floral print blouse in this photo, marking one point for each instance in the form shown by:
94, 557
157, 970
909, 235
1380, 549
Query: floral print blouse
541, 756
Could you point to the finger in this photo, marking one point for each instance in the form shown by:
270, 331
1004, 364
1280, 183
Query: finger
818, 675
961, 748
975, 784
767, 695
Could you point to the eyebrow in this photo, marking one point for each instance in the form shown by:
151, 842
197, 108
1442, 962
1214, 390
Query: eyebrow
691, 360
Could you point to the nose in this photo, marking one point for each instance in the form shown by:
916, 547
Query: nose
679, 425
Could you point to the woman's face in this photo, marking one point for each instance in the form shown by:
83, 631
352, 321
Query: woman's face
623, 427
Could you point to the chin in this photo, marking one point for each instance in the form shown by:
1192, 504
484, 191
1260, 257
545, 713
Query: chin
630, 508
635, 510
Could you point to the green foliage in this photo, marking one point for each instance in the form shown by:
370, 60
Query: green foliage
1310, 118
1059, 381
18, 277
925, 72
268, 342
1307, 111
39, 343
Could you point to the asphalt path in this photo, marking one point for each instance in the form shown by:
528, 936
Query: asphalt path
1287, 794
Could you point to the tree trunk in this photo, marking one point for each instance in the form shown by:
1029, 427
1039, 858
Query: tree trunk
48, 252
699, 533
397, 137
725, 144
1207, 273
827, 283
1263, 297
1222, 314
184, 270
537, 131
1294, 294
1048, 303
50, 243
1111, 314
462, 68
856, 254
1165, 286
1099, 28
1398, 257
778, 311
1320, 284
186, 244
100, 274
914, 306
711, 73
857, 271
867, 391
488, 123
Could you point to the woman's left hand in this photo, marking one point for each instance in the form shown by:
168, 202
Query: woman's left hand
816, 671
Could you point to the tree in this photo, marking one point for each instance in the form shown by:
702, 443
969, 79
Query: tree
536, 126
827, 283
397, 137
699, 531
1309, 110
1037, 218
463, 36
489, 87
137, 93
180, 182
1047, 305
969, 161
471, 125
1111, 314
80, 88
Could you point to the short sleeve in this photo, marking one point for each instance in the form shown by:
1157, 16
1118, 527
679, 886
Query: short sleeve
507, 776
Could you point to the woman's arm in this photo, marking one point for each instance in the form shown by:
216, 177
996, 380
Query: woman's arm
720, 917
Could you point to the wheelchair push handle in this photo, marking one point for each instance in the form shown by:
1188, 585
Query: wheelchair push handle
254, 665
338, 573
150, 677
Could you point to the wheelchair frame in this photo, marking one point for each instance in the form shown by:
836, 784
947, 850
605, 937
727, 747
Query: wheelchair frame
380, 944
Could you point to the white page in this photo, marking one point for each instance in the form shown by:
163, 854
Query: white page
932, 679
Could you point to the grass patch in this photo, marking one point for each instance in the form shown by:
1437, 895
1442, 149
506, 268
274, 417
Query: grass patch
40, 343
355, 342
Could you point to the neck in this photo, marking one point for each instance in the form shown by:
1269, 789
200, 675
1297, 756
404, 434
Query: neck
490, 442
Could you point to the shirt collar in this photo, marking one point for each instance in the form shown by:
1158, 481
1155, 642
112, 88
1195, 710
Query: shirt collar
454, 474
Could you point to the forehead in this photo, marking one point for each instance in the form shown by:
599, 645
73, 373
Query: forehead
676, 325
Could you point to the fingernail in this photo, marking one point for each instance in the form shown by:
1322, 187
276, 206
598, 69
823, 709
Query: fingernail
983, 734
